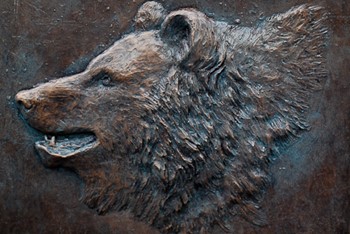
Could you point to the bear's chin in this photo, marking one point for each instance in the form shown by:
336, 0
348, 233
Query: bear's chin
54, 150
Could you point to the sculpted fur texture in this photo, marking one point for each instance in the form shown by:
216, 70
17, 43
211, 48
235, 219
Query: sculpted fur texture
177, 122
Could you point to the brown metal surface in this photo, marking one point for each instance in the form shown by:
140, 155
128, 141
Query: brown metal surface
309, 194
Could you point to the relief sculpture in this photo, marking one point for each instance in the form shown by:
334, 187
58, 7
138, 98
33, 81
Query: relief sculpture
177, 122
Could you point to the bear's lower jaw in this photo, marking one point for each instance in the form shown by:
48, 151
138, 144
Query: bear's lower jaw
57, 148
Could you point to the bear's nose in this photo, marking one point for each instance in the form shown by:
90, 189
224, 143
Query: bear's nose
24, 99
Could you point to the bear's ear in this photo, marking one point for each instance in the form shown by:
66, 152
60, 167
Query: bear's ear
192, 37
149, 16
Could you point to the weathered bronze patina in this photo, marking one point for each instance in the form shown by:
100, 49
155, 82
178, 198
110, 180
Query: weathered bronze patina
177, 122
308, 189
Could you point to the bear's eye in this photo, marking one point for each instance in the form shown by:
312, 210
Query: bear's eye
106, 80
103, 78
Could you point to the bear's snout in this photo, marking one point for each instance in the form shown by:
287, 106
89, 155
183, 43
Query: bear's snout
25, 100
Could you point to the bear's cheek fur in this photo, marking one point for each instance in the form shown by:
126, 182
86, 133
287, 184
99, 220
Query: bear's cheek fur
121, 128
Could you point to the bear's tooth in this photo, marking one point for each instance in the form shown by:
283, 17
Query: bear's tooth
52, 141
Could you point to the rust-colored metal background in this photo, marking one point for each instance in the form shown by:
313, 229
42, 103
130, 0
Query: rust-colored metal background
42, 39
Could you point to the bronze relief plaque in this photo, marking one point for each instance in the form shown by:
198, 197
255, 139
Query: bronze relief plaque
176, 125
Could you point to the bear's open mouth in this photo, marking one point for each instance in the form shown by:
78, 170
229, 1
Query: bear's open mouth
64, 146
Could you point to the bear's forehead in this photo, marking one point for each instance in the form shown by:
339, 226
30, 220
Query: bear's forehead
135, 53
